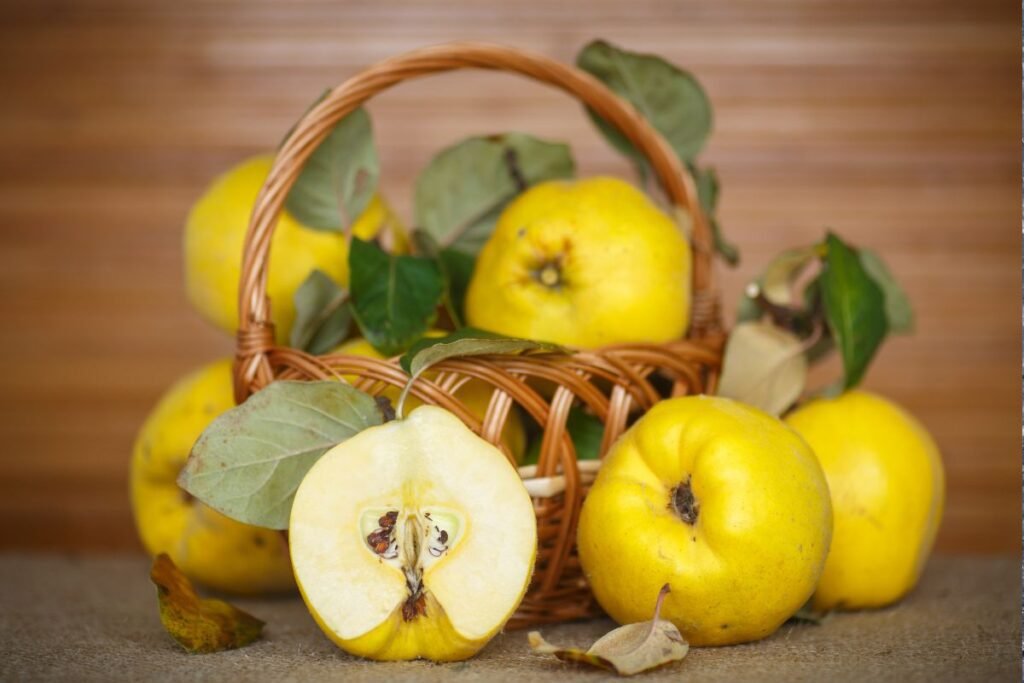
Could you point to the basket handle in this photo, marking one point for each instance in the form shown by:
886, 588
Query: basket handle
255, 331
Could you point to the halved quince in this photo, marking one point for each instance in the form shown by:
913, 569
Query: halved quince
413, 539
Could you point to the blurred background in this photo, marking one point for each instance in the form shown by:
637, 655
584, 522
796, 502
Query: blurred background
897, 124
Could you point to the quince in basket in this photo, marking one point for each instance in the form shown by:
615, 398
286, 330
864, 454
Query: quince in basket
722, 502
207, 546
215, 232
583, 263
415, 538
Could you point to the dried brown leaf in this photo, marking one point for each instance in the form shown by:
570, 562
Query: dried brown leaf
200, 626
628, 649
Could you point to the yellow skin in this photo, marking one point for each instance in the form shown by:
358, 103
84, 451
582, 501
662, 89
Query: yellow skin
215, 232
395, 640
208, 547
474, 394
888, 489
751, 554
583, 263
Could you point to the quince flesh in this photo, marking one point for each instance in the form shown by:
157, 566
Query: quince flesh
415, 538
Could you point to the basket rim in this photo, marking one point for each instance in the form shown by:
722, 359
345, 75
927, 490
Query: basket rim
255, 339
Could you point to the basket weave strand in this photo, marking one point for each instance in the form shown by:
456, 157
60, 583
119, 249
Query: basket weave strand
613, 383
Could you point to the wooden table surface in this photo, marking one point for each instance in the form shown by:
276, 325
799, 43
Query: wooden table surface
895, 123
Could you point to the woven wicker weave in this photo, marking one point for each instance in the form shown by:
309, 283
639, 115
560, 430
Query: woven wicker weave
613, 382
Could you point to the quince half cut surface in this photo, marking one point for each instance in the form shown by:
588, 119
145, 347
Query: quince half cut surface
413, 539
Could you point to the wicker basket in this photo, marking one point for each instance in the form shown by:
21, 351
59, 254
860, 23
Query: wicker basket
614, 382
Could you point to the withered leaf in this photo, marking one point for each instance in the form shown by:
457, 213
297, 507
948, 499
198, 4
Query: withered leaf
808, 615
763, 366
628, 649
199, 625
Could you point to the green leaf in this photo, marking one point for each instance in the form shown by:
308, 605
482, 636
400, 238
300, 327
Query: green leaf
854, 309
461, 193
312, 105
669, 98
456, 270
468, 341
708, 190
394, 298
250, 460
322, 319
339, 179
586, 432
199, 626
898, 310
763, 366
628, 649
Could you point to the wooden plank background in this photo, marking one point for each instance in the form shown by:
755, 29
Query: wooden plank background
895, 123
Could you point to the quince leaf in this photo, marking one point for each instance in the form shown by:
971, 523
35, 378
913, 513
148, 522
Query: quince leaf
456, 270
394, 298
669, 98
200, 626
898, 310
339, 179
628, 649
322, 319
249, 462
708, 189
776, 282
469, 341
763, 366
782, 272
808, 615
854, 308
463, 190
586, 432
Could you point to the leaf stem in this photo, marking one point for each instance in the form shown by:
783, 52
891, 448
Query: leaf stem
665, 590
400, 406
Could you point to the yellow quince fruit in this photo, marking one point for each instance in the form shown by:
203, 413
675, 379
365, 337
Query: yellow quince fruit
722, 502
476, 396
888, 488
583, 263
215, 232
208, 547
415, 538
